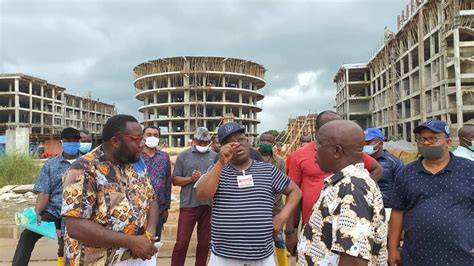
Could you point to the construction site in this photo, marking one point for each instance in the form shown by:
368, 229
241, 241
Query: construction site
425, 69
180, 94
34, 111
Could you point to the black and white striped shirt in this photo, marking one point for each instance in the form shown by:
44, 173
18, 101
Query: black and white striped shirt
241, 222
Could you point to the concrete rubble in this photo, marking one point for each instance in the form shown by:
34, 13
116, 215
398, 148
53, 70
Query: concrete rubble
13, 194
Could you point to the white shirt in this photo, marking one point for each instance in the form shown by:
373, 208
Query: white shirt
464, 152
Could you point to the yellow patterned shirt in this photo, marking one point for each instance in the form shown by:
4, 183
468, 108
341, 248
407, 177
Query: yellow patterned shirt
116, 197
348, 217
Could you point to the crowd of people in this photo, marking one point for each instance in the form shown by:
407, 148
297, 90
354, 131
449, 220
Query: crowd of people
340, 199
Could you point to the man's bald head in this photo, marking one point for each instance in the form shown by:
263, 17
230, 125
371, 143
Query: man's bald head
325, 117
340, 144
466, 135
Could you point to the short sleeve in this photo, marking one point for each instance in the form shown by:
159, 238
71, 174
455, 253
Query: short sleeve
43, 181
279, 180
399, 201
368, 161
295, 172
79, 194
178, 167
352, 231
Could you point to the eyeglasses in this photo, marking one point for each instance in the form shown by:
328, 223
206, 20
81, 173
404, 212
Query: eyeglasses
136, 138
431, 140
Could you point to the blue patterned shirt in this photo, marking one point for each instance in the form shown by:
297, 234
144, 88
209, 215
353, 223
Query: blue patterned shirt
50, 182
159, 171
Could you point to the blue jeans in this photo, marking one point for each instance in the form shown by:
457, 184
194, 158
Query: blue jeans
279, 240
159, 226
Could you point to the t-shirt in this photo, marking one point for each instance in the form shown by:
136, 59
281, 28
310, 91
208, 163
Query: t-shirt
186, 163
309, 177
241, 224
437, 213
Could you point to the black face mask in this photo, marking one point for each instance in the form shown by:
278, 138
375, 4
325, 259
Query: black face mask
431, 152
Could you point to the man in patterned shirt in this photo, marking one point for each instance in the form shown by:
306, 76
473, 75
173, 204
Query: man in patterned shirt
347, 225
159, 170
108, 200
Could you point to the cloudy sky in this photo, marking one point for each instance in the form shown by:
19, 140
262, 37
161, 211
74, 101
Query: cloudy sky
92, 46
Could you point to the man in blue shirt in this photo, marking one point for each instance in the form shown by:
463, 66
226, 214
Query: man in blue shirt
432, 203
391, 165
49, 188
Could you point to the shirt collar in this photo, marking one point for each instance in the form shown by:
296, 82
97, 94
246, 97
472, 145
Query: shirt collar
452, 162
336, 177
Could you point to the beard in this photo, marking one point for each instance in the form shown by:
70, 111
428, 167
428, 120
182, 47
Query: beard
124, 155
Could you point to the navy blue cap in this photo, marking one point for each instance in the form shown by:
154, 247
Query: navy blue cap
372, 133
228, 129
436, 126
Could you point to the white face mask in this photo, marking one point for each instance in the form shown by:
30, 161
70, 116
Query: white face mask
152, 142
202, 149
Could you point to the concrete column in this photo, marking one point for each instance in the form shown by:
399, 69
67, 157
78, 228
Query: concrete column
404, 125
240, 97
169, 97
240, 112
240, 84
155, 98
31, 102
421, 60
169, 82
346, 89
223, 82
63, 109
457, 77
42, 109
170, 112
223, 97
17, 102
53, 93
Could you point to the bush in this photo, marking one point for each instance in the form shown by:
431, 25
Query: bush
18, 169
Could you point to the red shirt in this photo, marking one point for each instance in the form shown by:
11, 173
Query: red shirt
309, 177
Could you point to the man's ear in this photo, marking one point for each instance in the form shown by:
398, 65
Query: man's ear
115, 142
338, 150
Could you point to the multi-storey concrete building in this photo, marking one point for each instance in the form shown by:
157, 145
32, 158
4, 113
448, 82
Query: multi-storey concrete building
182, 93
353, 93
424, 70
45, 108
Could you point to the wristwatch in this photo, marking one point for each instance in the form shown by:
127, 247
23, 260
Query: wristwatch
291, 231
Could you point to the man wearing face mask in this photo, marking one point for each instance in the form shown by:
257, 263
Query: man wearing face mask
85, 141
189, 166
159, 170
267, 141
466, 142
432, 203
49, 188
391, 165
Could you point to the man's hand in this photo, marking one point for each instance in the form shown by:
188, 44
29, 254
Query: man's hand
38, 218
165, 216
195, 175
394, 257
291, 241
278, 223
226, 152
141, 247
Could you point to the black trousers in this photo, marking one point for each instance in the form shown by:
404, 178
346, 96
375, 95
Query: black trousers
28, 239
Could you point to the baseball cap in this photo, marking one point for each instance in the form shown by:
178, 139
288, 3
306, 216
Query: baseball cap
70, 133
372, 133
434, 125
202, 133
228, 129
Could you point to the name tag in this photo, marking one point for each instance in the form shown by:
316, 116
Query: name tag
245, 181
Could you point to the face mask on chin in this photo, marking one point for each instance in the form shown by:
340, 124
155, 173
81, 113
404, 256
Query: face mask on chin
202, 149
431, 153
152, 142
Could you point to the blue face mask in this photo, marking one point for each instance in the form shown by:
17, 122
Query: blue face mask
85, 147
369, 149
71, 148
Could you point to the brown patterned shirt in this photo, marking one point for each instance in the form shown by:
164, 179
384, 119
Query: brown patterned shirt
116, 197
349, 217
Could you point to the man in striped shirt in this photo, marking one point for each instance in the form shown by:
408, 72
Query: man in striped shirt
243, 192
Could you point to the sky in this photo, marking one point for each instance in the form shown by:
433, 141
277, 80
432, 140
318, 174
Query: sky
92, 46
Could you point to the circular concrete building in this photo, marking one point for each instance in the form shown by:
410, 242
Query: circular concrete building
182, 93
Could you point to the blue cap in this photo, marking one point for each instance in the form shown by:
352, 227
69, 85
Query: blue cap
436, 126
372, 133
228, 129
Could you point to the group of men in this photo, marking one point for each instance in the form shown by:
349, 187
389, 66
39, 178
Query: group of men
339, 191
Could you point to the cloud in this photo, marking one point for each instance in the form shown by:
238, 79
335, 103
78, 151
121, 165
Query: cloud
306, 95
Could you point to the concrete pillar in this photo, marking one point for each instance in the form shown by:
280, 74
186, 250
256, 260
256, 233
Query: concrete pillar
421, 60
42, 109
240, 112
155, 98
63, 109
18, 140
169, 97
346, 89
240, 97
168, 79
457, 77
53, 93
17, 102
31, 102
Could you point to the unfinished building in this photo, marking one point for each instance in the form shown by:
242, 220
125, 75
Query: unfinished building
45, 109
297, 127
182, 93
424, 70
353, 93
